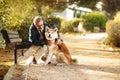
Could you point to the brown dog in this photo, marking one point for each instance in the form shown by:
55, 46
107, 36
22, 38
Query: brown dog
60, 50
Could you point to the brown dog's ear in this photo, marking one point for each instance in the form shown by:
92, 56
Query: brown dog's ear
47, 29
55, 29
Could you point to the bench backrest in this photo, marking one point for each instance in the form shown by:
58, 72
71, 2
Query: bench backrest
10, 36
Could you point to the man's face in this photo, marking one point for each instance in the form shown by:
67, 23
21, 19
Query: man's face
39, 25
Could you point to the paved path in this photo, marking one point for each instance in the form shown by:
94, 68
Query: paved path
94, 62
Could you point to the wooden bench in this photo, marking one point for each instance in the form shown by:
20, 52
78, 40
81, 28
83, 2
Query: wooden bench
13, 37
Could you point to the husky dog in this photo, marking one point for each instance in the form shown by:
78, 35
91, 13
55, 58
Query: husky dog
60, 50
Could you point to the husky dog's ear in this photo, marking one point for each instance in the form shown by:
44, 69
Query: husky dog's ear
47, 29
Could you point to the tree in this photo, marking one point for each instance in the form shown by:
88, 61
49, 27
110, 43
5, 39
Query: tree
111, 7
45, 7
88, 3
59, 5
14, 14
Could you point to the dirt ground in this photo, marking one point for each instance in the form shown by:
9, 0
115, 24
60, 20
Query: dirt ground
6, 60
95, 62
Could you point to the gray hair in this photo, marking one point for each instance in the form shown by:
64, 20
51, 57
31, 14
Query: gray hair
37, 19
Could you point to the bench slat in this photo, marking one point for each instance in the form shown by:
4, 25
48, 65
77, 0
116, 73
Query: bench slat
14, 40
12, 32
13, 36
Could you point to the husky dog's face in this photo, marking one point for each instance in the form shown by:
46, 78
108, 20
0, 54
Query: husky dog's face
51, 34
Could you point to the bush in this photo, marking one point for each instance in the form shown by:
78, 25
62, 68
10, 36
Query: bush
24, 28
94, 19
117, 17
2, 41
71, 24
113, 31
63, 28
54, 20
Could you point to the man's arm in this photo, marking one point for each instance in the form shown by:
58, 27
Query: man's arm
35, 38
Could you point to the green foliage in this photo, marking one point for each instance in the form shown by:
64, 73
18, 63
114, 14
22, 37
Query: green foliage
69, 25
94, 19
63, 25
17, 15
54, 20
48, 6
24, 29
17, 12
117, 17
113, 31
2, 42
75, 22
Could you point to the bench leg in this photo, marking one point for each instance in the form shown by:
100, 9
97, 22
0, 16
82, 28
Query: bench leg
22, 52
15, 56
